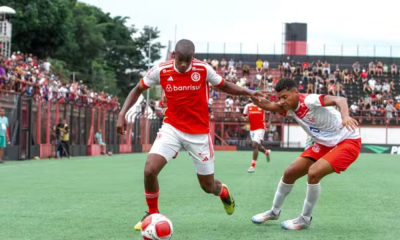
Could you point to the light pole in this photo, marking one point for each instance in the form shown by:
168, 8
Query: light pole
148, 91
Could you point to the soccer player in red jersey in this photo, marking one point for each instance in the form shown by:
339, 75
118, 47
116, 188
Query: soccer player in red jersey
257, 131
186, 124
337, 145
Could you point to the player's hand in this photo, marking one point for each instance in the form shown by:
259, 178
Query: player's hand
121, 124
350, 123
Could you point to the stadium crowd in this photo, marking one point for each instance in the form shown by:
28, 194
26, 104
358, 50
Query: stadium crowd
373, 85
25, 73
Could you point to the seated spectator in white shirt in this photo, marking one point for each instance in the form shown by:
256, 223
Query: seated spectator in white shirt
231, 64
372, 83
386, 87
354, 108
266, 65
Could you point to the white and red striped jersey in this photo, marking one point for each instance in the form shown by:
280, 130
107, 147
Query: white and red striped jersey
186, 93
323, 124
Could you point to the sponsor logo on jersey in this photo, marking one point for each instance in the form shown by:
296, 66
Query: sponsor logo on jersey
171, 88
315, 130
196, 77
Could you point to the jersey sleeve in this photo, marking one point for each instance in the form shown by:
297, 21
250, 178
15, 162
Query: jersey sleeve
152, 77
213, 78
246, 110
314, 100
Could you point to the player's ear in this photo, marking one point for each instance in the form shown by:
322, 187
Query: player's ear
295, 90
173, 54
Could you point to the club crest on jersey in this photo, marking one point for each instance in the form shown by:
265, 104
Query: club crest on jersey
196, 77
316, 148
168, 88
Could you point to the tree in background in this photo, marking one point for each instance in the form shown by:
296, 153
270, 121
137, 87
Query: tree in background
81, 38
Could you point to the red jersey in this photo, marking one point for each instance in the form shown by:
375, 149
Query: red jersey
186, 94
256, 116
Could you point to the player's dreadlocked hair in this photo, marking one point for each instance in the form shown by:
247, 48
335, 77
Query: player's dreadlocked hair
285, 84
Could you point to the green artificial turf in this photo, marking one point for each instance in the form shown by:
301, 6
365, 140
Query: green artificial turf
102, 198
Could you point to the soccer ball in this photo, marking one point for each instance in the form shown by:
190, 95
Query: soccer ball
157, 227
109, 153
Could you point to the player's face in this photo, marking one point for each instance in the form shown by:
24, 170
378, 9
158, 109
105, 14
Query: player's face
2, 112
182, 63
289, 99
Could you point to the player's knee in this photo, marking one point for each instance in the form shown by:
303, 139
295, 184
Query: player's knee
255, 145
150, 171
290, 175
314, 176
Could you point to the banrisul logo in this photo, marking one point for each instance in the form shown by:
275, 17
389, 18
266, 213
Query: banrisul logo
376, 149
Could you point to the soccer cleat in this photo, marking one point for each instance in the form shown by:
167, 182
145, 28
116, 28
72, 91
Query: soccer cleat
296, 224
266, 216
267, 153
138, 226
228, 202
251, 170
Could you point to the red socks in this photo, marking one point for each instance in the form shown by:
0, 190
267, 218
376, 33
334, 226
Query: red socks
266, 152
152, 201
253, 163
224, 193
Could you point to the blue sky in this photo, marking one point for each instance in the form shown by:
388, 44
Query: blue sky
329, 22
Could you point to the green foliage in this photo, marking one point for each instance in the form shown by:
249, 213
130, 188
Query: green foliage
81, 38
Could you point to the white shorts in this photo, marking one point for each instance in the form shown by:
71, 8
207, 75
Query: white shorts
257, 135
170, 141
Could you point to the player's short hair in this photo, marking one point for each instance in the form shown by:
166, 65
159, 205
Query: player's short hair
285, 84
185, 47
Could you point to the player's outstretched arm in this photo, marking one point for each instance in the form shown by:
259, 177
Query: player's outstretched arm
348, 122
129, 102
233, 89
267, 105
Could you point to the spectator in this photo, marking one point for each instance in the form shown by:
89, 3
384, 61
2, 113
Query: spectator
310, 87
379, 68
385, 69
372, 83
256, 81
364, 76
223, 64
389, 111
285, 68
246, 70
4, 137
305, 65
392, 86
378, 86
354, 109
356, 67
386, 87
46, 66
214, 64
327, 68
394, 69
243, 81
228, 104
266, 66
99, 140
259, 65
231, 64
371, 68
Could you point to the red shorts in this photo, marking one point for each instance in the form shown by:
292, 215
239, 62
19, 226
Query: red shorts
340, 157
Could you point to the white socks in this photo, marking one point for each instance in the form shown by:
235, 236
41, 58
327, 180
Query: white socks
313, 192
281, 192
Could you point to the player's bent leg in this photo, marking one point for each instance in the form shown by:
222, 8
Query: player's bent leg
255, 156
154, 164
296, 170
163, 150
316, 172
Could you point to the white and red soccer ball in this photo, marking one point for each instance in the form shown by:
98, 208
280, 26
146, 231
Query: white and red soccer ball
157, 227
